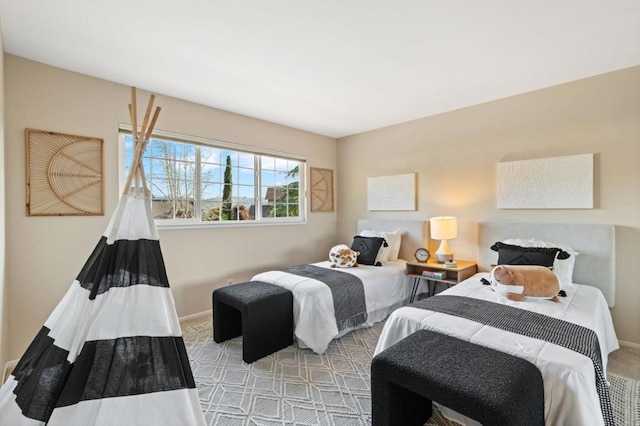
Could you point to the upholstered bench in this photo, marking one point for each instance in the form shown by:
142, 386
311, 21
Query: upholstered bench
486, 385
261, 312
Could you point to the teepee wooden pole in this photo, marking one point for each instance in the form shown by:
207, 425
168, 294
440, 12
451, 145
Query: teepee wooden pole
153, 124
134, 131
145, 188
134, 167
136, 172
146, 115
133, 112
136, 182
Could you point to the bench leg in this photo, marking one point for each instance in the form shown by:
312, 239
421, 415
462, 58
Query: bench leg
393, 405
266, 330
227, 322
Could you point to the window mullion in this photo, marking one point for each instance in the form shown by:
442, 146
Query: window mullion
197, 187
258, 188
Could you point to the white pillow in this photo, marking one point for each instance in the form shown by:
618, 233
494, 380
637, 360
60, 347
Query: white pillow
393, 239
563, 268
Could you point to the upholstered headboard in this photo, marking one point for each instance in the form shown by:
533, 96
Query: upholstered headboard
414, 233
595, 265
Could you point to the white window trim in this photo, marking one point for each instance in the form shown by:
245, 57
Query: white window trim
194, 223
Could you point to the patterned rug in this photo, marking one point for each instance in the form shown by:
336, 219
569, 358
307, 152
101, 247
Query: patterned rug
298, 387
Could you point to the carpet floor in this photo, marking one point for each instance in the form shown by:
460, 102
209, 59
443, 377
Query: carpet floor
298, 387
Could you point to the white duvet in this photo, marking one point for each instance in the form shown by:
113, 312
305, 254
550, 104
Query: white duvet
385, 287
569, 377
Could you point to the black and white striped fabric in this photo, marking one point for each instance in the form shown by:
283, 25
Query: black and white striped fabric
112, 350
531, 324
347, 290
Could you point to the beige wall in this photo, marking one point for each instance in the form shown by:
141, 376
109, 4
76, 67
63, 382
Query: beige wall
45, 253
455, 156
3, 299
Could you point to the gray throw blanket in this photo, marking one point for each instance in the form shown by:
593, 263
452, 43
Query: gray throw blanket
531, 324
347, 290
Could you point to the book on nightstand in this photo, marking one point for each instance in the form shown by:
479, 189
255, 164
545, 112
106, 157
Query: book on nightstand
437, 275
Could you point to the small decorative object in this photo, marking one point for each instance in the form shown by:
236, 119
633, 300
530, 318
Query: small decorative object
422, 255
321, 190
341, 256
451, 264
435, 275
64, 174
395, 192
444, 228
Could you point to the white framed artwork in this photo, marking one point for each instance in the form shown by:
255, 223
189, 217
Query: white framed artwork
395, 192
547, 183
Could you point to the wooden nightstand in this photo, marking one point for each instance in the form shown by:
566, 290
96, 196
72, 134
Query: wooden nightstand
464, 270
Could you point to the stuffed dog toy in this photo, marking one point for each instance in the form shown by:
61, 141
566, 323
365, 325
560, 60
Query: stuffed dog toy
342, 256
519, 281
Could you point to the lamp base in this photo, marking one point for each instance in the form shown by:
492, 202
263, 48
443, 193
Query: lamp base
441, 258
444, 252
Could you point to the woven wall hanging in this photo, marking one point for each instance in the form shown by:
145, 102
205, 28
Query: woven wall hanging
64, 174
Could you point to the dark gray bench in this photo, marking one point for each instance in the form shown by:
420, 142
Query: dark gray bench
261, 312
491, 387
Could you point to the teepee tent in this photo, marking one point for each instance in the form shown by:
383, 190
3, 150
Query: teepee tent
112, 352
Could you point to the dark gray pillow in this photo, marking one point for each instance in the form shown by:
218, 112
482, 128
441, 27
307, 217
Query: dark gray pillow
368, 248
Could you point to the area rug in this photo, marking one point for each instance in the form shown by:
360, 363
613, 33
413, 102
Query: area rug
298, 387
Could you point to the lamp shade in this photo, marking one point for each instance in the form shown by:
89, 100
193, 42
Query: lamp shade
444, 228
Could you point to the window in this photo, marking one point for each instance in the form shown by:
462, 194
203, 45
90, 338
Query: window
193, 183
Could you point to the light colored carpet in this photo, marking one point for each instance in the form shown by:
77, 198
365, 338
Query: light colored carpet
290, 387
298, 387
625, 362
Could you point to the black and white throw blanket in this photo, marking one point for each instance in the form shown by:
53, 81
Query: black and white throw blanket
347, 290
531, 324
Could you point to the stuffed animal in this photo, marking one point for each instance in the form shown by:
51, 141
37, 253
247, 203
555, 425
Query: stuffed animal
342, 256
519, 281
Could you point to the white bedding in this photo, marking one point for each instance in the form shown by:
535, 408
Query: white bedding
569, 378
386, 288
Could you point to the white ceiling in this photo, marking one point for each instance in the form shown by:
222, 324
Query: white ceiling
333, 67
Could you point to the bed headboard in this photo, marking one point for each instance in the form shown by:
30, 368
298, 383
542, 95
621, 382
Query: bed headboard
595, 265
414, 233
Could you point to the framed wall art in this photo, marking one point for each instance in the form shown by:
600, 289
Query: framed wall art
321, 184
547, 183
64, 174
395, 192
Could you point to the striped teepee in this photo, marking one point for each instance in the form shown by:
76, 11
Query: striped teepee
111, 353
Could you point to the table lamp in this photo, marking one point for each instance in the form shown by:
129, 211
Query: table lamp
444, 228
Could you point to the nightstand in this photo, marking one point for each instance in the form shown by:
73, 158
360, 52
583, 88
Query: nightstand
464, 270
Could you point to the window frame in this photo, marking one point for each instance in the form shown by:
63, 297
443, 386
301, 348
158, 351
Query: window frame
198, 142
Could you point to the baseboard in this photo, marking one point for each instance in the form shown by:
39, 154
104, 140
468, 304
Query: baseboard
629, 344
196, 316
8, 369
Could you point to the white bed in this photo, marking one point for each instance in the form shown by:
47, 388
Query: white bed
386, 288
569, 377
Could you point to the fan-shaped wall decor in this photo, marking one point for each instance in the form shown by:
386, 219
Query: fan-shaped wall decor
64, 174
321, 190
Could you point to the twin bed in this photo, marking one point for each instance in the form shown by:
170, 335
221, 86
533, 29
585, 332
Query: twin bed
385, 288
571, 394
